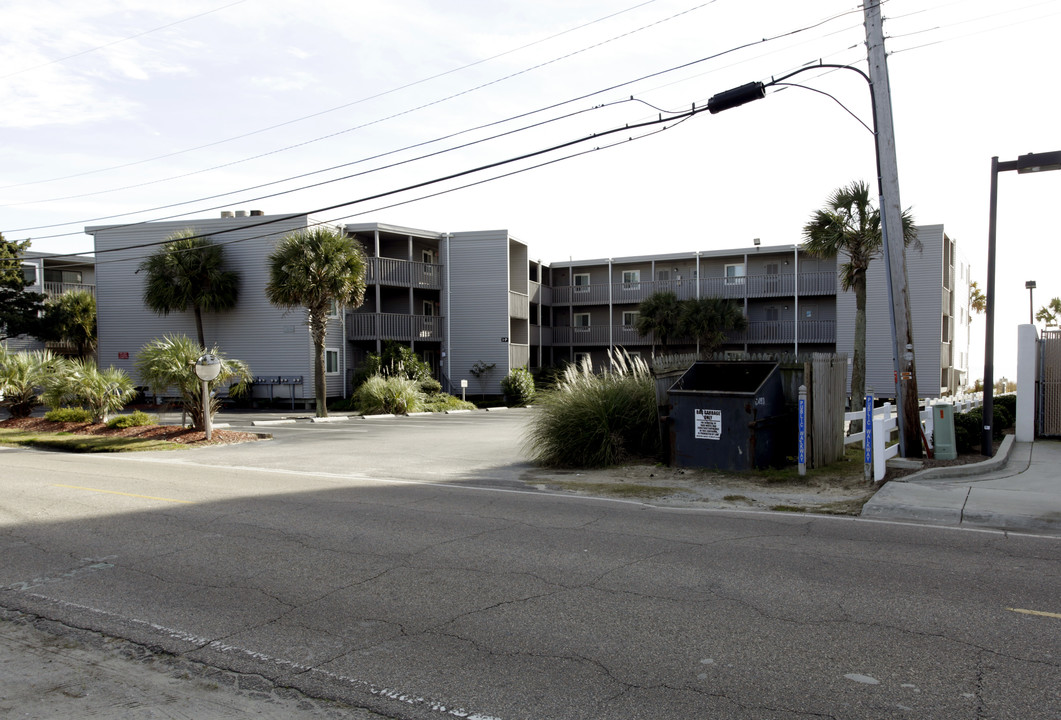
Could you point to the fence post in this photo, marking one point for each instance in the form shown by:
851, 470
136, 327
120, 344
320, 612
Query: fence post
802, 430
880, 438
867, 436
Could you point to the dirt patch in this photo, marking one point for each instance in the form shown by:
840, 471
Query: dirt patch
171, 433
838, 490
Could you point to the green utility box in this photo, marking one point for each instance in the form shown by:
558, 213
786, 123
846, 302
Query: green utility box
943, 432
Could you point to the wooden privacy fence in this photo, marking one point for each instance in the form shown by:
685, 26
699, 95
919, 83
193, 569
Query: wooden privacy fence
824, 375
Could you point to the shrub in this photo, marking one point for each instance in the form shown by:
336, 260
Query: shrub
430, 386
968, 428
443, 402
1002, 418
518, 387
138, 418
64, 415
22, 374
80, 383
1006, 401
380, 395
590, 420
396, 360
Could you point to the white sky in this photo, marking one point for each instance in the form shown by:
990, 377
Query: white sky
117, 107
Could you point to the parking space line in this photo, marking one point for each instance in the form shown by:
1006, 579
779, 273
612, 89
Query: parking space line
1039, 613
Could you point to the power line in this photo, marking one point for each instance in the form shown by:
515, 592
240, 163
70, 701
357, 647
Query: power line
338, 107
415, 186
526, 114
116, 42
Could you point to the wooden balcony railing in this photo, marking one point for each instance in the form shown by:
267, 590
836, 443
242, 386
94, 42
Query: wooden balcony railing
402, 273
394, 326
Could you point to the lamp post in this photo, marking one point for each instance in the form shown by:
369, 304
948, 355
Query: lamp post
1030, 163
1031, 301
207, 368
906, 396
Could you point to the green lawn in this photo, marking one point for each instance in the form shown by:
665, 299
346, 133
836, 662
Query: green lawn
69, 442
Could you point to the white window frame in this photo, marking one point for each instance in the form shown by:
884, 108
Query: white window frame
737, 278
579, 327
630, 318
631, 279
36, 275
330, 353
581, 286
333, 309
427, 257
429, 308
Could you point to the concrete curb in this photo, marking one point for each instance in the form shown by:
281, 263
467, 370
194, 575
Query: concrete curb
330, 418
377, 417
949, 472
255, 423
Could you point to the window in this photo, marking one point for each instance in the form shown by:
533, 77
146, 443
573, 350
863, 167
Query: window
428, 257
631, 279
663, 275
331, 361
581, 322
333, 309
735, 274
771, 268
772, 314
29, 272
429, 308
630, 317
63, 276
581, 282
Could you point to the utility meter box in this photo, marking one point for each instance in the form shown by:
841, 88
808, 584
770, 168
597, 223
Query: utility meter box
945, 448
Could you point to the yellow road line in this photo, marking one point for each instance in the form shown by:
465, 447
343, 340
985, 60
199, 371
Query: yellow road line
113, 492
1040, 613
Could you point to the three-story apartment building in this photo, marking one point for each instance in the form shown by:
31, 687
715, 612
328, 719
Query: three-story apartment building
467, 300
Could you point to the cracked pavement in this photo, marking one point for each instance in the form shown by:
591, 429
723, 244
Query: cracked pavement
345, 590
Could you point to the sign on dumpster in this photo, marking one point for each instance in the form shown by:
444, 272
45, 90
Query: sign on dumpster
708, 424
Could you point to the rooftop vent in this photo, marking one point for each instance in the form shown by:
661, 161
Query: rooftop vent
256, 213
241, 213
227, 214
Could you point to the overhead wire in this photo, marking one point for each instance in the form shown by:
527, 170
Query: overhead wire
509, 119
373, 97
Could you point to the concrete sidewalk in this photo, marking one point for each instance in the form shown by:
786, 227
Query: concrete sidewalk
1018, 490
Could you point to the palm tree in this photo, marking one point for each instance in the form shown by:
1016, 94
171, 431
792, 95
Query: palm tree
849, 225
708, 320
317, 269
188, 271
169, 362
658, 316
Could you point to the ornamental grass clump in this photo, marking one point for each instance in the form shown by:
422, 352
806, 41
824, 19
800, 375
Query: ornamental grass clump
596, 420
383, 395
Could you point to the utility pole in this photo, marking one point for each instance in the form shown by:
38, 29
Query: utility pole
909, 416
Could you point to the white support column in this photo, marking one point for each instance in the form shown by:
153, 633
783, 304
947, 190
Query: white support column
1027, 357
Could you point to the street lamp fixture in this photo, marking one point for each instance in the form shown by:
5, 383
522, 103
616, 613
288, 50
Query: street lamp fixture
207, 368
1031, 303
1030, 163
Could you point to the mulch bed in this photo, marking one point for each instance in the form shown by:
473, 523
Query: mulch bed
172, 433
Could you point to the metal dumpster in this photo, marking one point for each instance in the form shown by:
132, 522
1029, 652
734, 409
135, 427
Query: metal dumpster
731, 416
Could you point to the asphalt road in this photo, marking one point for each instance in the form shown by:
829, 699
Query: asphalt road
398, 567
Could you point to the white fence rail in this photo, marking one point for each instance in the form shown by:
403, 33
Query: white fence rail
884, 422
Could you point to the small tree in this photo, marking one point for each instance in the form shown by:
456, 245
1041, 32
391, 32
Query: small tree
1049, 313
71, 317
19, 309
708, 320
169, 362
81, 383
480, 370
188, 272
22, 377
658, 316
317, 269
977, 299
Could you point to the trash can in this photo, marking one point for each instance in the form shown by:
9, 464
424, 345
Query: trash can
731, 416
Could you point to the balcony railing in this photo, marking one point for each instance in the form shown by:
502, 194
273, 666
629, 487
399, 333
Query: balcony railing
736, 288
402, 273
757, 332
518, 355
51, 289
518, 306
394, 326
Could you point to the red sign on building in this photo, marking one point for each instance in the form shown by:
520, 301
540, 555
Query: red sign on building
123, 356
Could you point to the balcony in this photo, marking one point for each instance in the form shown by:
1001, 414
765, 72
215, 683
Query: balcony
518, 306
783, 332
52, 289
518, 355
402, 273
735, 288
394, 326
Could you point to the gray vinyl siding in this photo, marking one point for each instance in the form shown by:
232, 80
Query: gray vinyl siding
924, 280
273, 342
477, 313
